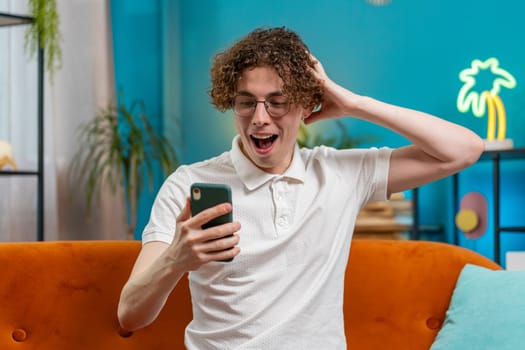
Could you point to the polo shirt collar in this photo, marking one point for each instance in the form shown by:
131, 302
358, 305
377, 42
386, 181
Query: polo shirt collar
253, 177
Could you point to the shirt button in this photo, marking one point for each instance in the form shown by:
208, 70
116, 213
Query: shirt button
282, 221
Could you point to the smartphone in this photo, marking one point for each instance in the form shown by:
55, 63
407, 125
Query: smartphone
207, 195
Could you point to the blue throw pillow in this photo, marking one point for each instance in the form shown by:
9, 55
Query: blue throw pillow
487, 312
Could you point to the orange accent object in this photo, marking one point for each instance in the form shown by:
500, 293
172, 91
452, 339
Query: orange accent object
64, 295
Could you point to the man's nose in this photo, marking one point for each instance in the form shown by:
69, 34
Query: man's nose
260, 115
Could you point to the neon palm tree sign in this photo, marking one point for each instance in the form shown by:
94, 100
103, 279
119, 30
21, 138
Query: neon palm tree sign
469, 98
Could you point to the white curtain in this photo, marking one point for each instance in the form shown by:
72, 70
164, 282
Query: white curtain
83, 86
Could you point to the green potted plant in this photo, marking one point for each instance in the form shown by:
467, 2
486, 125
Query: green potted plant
44, 33
118, 148
342, 141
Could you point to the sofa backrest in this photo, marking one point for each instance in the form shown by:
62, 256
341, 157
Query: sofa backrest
64, 295
397, 292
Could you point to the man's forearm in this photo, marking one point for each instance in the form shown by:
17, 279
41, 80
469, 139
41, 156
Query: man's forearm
440, 139
145, 294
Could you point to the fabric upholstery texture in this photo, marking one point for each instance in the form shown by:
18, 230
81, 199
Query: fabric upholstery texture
397, 292
64, 295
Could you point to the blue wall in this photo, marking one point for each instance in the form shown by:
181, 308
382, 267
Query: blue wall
478, 178
408, 53
138, 59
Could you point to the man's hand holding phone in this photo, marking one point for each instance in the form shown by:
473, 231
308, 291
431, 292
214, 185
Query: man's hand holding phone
205, 229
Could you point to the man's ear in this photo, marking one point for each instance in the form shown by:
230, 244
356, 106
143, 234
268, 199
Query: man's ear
308, 111
312, 109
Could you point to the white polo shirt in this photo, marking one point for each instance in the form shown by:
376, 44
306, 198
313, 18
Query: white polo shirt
285, 288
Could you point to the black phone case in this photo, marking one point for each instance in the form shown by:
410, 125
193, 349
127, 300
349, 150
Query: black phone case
206, 195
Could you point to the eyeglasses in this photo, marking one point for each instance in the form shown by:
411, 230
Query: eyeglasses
277, 106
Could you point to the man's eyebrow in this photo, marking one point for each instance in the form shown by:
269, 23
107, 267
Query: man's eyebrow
244, 93
249, 94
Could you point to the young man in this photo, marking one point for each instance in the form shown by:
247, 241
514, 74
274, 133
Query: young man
295, 209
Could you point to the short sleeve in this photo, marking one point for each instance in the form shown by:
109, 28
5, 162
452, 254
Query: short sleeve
379, 188
168, 204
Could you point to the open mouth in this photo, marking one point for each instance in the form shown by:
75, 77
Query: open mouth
263, 142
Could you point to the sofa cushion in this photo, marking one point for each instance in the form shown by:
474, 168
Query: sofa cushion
397, 292
64, 295
486, 311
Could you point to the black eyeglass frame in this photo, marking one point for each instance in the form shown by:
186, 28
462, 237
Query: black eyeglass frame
266, 104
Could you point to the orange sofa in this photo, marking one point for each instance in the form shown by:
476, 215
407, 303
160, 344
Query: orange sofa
64, 295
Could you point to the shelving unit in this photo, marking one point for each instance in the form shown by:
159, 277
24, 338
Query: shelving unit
496, 157
376, 221
417, 230
13, 20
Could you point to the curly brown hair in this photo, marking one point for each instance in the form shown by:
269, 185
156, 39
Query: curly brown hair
279, 48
